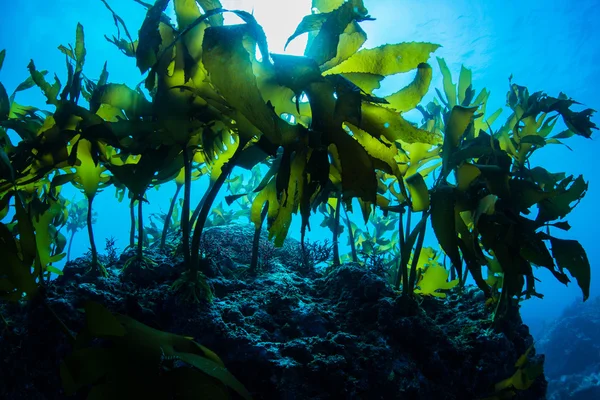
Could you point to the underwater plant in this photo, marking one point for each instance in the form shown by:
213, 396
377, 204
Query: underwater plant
317, 117
214, 99
142, 361
76, 221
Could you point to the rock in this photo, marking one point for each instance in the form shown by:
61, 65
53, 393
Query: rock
284, 333
572, 353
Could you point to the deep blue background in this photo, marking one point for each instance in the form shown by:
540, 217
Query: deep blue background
547, 45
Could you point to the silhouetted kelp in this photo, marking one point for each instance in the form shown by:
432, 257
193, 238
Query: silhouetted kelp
214, 98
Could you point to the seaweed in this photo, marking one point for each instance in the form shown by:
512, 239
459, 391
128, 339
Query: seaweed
215, 103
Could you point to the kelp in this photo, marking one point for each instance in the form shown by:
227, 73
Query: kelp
214, 102
142, 361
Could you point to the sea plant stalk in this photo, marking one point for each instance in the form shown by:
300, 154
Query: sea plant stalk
256, 239
401, 273
140, 243
69, 247
198, 208
210, 198
351, 237
413, 270
203, 215
95, 264
91, 232
336, 229
163, 238
132, 223
185, 209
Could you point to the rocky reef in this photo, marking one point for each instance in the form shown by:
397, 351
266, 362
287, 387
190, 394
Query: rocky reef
573, 353
286, 332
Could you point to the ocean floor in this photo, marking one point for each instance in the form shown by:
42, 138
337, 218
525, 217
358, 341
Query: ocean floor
287, 332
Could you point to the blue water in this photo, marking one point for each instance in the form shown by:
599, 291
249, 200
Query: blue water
547, 45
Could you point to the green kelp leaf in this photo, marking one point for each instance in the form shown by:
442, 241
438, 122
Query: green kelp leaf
465, 91
289, 199
225, 156
4, 103
187, 12
309, 23
69, 85
127, 47
534, 250
268, 194
67, 52
525, 375
133, 103
187, 383
559, 205
325, 6
422, 157
564, 225
382, 153
348, 102
297, 73
44, 237
465, 175
2, 56
524, 194
533, 139
18, 280
209, 5
570, 255
387, 59
7, 171
230, 69
15, 269
324, 46
88, 173
433, 279
449, 87
251, 156
419, 193
79, 49
136, 352
283, 173
492, 118
351, 40
367, 82
381, 121
536, 103
84, 367
348, 157
50, 91
471, 253
567, 133
483, 145
443, 221
357, 170
409, 97
54, 270
458, 122
150, 39
26, 232
255, 31
102, 322
26, 84
151, 166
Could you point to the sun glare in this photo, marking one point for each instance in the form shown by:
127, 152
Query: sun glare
278, 18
